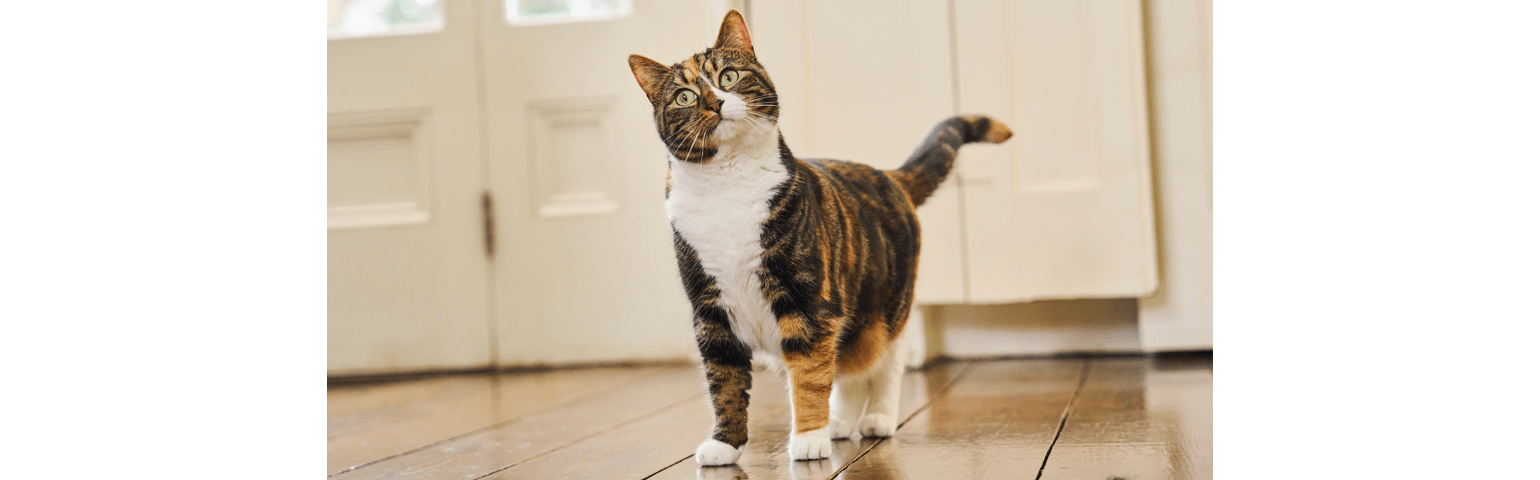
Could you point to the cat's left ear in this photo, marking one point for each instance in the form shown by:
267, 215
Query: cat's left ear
649, 74
734, 33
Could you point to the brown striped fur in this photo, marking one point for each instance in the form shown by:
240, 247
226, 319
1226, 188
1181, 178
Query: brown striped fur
841, 243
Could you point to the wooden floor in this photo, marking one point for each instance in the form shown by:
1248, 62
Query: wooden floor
1091, 418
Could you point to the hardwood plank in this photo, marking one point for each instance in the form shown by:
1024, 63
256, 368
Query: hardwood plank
459, 408
536, 434
765, 455
1119, 461
996, 422
353, 407
1133, 418
1139, 418
633, 450
668, 442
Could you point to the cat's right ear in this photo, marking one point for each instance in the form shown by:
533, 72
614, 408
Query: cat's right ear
649, 74
734, 33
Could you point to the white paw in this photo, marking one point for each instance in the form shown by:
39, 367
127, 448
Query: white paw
714, 452
839, 429
877, 425
810, 445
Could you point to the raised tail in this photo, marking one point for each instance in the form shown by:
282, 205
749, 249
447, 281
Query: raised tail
923, 173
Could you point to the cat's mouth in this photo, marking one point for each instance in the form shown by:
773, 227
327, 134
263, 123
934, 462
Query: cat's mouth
728, 127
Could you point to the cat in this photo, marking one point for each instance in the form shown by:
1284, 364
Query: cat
808, 263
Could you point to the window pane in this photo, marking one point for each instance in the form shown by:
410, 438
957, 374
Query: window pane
541, 12
370, 18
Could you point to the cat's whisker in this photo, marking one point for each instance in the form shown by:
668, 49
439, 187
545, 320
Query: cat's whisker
756, 123
682, 134
701, 135
691, 152
679, 137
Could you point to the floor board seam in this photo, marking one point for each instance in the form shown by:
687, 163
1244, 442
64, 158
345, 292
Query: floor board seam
654, 413
1085, 372
671, 465
928, 401
576, 401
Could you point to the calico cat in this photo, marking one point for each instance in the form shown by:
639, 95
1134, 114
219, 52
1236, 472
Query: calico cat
808, 263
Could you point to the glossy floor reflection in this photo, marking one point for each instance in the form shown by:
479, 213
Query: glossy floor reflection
1093, 418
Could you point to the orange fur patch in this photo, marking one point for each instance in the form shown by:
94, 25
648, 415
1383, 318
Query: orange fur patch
858, 356
791, 327
691, 69
812, 379
998, 132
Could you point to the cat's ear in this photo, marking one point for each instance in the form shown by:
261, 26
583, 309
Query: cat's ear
649, 74
734, 33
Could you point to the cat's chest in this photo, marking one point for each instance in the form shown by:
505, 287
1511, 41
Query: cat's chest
720, 211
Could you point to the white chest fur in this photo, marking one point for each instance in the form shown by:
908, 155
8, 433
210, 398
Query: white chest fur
720, 208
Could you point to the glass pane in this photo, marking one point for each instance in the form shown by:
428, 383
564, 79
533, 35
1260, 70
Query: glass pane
542, 12
371, 18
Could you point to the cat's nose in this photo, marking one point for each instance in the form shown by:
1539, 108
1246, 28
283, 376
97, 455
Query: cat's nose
715, 105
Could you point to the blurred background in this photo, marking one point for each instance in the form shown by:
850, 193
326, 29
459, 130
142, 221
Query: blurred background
495, 183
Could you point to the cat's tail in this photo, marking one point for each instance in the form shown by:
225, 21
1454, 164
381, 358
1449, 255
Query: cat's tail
930, 163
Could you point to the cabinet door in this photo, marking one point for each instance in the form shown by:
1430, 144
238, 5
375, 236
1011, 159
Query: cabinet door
406, 272
585, 267
1062, 210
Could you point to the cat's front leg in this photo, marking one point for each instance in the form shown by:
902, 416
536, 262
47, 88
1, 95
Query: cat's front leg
729, 374
810, 366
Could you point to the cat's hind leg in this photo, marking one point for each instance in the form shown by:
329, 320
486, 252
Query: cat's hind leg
846, 403
882, 400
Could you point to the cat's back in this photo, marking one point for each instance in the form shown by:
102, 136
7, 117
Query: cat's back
872, 190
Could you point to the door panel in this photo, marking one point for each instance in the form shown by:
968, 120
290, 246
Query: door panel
406, 275
585, 270
1062, 210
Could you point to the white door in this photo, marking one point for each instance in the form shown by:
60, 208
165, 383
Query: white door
1062, 210
406, 271
585, 269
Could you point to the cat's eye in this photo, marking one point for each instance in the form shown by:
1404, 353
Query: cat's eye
728, 78
685, 98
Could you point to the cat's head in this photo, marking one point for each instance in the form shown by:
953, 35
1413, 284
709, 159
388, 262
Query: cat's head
713, 98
